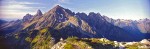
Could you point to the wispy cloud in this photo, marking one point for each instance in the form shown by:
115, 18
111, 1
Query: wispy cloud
14, 13
64, 1
15, 2
18, 7
15, 9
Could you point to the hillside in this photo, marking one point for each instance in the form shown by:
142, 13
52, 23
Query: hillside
44, 31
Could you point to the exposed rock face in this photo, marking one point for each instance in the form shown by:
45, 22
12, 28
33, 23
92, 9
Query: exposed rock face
59, 45
81, 25
142, 25
38, 29
66, 23
39, 13
27, 17
134, 26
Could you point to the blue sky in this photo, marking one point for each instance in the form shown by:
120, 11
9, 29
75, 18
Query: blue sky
123, 9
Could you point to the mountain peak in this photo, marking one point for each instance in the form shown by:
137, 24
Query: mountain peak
60, 10
57, 6
27, 17
39, 13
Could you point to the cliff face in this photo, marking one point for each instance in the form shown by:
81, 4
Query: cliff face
141, 26
45, 30
68, 23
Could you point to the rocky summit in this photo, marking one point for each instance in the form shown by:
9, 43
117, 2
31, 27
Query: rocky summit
44, 30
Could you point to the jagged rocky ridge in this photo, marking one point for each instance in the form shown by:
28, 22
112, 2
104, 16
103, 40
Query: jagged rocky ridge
59, 22
91, 25
134, 26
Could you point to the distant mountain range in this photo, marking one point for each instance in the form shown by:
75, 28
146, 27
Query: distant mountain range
67, 23
57, 23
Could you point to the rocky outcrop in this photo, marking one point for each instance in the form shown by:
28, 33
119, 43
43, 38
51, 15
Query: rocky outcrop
59, 45
45, 30
39, 13
141, 25
66, 23
27, 17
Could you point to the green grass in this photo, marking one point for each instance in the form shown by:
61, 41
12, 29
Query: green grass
68, 46
44, 30
134, 46
35, 39
72, 39
28, 39
76, 43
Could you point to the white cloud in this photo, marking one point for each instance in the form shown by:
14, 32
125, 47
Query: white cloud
64, 1
14, 13
15, 9
18, 7
16, 2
